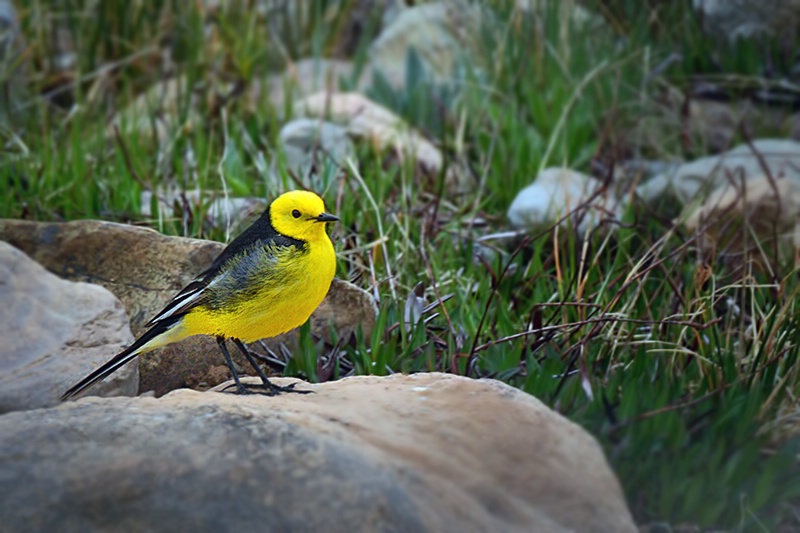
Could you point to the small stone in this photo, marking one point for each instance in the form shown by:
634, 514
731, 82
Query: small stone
556, 192
715, 124
234, 213
222, 212
54, 333
695, 180
379, 127
308, 144
443, 34
754, 213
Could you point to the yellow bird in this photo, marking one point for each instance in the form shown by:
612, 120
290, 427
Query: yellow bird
266, 282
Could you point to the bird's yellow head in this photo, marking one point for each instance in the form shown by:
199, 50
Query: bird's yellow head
300, 215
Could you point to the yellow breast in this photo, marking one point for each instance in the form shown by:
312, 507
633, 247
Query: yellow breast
273, 308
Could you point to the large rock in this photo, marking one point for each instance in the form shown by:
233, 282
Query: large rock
145, 270
55, 332
428, 452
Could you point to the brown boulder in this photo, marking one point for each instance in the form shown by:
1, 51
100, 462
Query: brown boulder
427, 452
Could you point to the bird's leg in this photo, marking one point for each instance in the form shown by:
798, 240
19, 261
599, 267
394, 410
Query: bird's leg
240, 388
271, 387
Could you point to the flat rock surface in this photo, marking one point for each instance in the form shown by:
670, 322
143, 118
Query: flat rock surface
53, 333
427, 452
145, 270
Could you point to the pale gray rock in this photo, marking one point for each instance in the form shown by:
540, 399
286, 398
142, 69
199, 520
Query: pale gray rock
54, 333
231, 213
696, 179
370, 123
443, 34
308, 145
558, 191
225, 212
142, 268
427, 452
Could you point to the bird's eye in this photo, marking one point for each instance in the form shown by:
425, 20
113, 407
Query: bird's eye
296, 213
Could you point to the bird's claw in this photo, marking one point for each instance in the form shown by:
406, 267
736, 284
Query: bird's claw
288, 388
269, 389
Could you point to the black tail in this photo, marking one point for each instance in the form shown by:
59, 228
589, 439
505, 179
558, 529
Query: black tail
121, 358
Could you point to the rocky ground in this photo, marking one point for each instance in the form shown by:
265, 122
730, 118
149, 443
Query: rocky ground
427, 452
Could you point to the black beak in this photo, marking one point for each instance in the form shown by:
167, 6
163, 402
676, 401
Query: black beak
325, 217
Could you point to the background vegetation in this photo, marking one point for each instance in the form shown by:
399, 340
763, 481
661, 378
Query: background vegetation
686, 372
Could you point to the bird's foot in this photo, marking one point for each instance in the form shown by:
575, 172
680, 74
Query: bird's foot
270, 389
266, 389
277, 389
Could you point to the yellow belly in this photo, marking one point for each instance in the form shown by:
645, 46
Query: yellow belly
274, 310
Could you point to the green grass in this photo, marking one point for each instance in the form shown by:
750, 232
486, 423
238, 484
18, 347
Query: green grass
680, 381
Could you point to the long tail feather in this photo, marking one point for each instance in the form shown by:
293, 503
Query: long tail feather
123, 357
